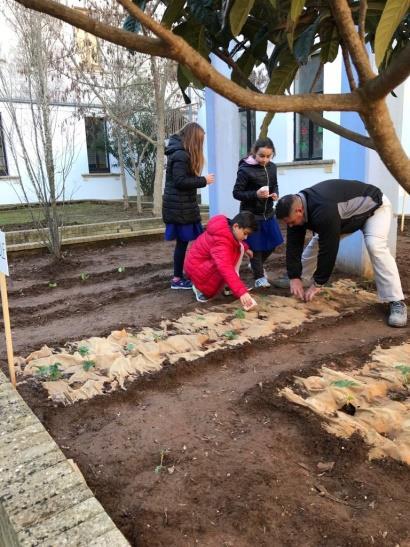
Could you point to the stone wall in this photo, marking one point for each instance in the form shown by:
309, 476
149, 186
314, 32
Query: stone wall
44, 499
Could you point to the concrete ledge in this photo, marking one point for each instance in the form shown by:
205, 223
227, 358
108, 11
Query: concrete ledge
44, 499
23, 240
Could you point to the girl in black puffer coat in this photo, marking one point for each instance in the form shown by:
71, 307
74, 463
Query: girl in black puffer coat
180, 210
256, 188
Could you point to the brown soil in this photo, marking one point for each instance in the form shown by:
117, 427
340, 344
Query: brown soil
240, 464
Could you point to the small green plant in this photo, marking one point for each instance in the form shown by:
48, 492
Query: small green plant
121, 269
84, 276
88, 364
51, 372
130, 347
83, 351
230, 335
52, 285
344, 383
405, 370
240, 314
161, 467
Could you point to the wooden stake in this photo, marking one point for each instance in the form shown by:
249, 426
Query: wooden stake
7, 329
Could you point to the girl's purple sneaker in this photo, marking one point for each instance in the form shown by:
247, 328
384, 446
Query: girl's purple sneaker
181, 284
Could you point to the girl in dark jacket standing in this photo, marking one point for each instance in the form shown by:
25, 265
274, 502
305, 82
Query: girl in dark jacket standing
180, 210
256, 188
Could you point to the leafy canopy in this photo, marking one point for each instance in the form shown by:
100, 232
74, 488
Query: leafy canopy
279, 35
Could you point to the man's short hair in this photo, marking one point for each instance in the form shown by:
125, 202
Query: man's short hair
245, 219
284, 206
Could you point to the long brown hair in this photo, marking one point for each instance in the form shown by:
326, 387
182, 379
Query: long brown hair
192, 136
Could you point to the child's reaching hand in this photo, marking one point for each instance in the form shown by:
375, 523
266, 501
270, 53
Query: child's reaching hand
247, 301
249, 253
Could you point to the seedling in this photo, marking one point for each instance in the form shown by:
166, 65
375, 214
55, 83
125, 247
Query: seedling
348, 407
405, 370
240, 314
83, 351
230, 335
52, 285
121, 269
130, 347
88, 364
161, 467
51, 372
84, 276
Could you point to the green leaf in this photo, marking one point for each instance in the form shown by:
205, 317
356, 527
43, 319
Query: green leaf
273, 4
344, 383
173, 12
83, 351
239, 14
183, 83
230, 335
88, 364
330, 44
283, 75
296, 8
392, 15
240, 314
304, 43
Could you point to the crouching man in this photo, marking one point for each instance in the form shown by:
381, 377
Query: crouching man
332, 209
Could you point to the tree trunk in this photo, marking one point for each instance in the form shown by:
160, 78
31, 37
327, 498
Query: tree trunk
136, 167
126, 202
159, 92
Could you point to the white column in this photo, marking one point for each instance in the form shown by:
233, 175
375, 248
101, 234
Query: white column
222, 139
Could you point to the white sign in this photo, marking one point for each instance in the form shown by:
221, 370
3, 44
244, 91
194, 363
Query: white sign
4, 267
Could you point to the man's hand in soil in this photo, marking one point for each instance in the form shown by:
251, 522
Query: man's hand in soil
312, 292
296, 288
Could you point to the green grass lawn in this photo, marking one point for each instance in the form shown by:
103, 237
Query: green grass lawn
72, 213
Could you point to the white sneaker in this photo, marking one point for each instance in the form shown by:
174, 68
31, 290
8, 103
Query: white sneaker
398, 314
262, 282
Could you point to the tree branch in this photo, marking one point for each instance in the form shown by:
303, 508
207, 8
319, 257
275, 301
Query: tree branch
210, 77
394, 75
151, 46
343, 17
348, 67
339, 130
362, 20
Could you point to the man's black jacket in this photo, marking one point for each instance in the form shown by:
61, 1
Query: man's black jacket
333, 207
179, 203
248, 181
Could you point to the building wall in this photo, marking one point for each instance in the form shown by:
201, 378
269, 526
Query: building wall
68, 137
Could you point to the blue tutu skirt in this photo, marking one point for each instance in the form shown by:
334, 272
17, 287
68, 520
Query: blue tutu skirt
183, 232
268, 236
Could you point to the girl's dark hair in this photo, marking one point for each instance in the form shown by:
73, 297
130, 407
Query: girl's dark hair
245, 219
263, 143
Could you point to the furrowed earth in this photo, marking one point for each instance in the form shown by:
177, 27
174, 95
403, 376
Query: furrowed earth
207, 452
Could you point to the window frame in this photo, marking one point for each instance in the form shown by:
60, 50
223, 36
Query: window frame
4, 168
96, 169
250, 128
311, 125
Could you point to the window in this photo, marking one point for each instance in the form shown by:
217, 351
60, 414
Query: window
308, 136
3, 159
247, 134
97, 149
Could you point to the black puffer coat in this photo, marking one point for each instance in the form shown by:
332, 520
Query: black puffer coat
248, 181
180, 204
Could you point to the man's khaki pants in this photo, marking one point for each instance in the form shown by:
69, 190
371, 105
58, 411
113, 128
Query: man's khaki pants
375, 233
